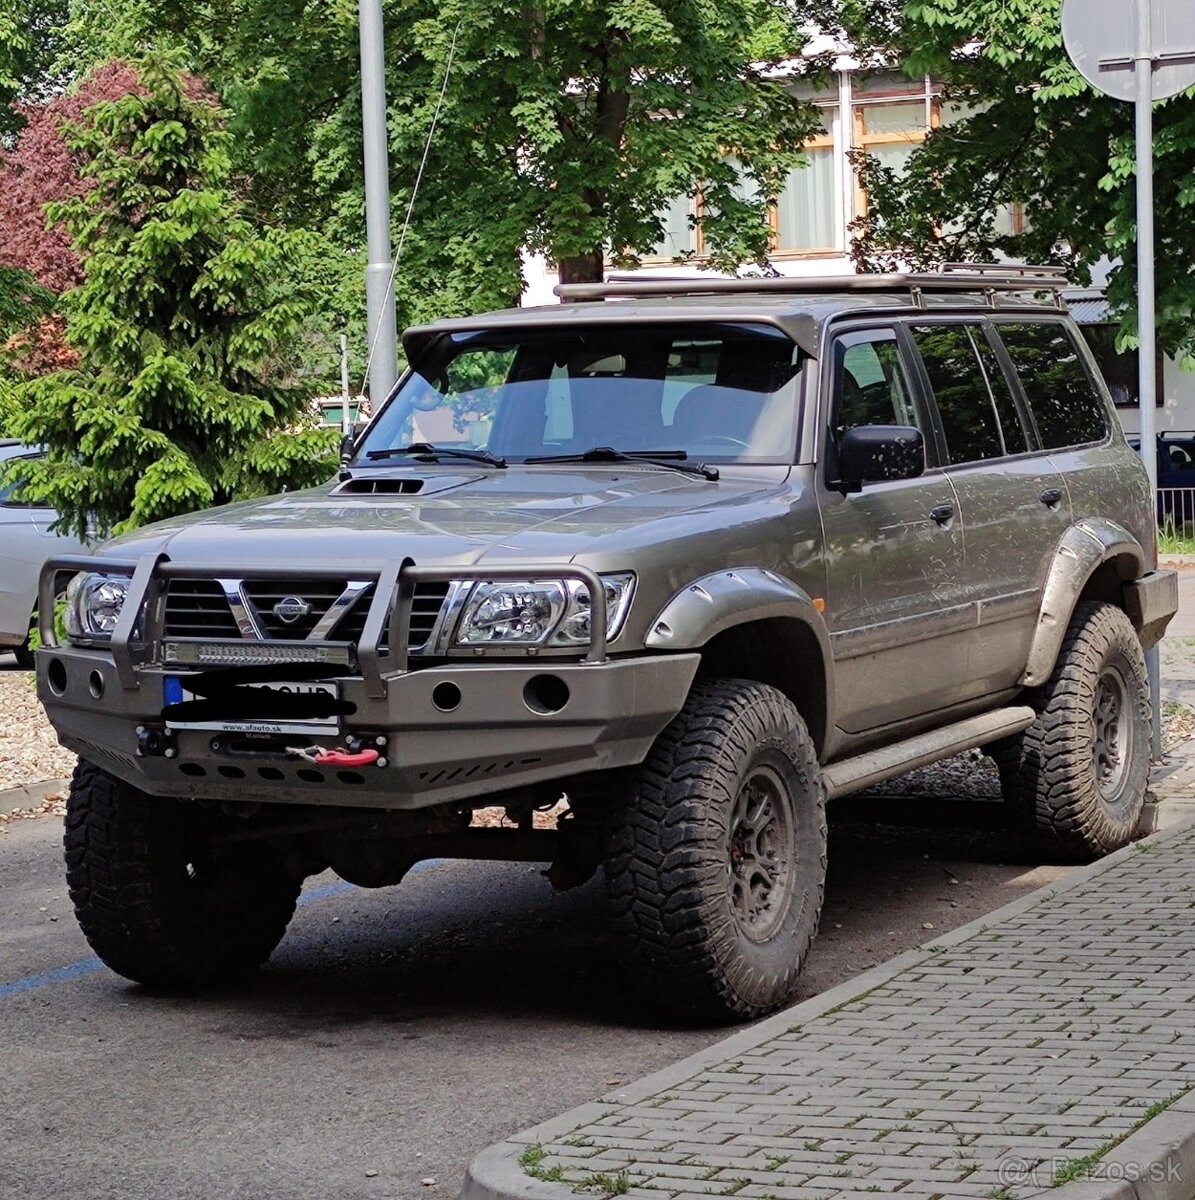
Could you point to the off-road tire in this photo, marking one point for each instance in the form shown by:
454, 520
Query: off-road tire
156, 899
24, 656
670, 860
1069, 806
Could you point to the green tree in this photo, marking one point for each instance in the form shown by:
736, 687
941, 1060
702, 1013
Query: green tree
567, 125
185, 325
1036, 135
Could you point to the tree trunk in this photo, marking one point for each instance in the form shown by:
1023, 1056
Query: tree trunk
583, 268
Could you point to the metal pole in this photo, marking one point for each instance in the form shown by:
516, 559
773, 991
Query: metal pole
379, 295
346, 415
1146, 319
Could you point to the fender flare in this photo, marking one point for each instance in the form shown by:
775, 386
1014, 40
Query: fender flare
1084, 547
738, 596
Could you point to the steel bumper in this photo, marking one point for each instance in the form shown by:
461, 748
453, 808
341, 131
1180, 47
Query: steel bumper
496, 738
1151, 602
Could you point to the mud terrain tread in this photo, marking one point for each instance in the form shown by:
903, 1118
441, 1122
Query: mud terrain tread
117, 842
1058, 798
662, 870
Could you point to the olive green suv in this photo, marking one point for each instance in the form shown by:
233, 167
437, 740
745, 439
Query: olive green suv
679, 559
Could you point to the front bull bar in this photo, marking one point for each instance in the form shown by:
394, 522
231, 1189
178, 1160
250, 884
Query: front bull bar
392, 599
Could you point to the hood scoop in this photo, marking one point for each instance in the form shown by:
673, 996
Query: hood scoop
385, 486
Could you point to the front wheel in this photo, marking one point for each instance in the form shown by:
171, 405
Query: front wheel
716, 865
163, 898
1077, 777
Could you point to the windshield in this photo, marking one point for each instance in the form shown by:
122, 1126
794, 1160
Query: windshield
721, 393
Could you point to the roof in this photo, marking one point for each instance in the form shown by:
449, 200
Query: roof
800, 315
1089, 308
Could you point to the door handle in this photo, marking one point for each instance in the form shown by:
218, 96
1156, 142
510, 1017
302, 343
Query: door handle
942, 513
1051, 496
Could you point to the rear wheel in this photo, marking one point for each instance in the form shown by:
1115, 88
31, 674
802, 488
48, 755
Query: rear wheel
160, 896
716, 866
1077, 777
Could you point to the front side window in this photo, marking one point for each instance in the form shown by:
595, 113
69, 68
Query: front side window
722, 393
1065, 403
871, 383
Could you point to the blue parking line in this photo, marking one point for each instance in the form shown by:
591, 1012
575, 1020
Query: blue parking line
85, 966
88, 966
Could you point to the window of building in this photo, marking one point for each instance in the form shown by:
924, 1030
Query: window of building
679, 240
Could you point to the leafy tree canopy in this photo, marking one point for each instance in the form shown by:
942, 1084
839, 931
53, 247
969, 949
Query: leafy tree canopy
1039, 136
184, 324
566, 125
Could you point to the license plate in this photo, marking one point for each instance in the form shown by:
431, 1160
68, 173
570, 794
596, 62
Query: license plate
176, 693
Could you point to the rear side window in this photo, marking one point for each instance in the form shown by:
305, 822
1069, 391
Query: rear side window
1067, 407
970, 419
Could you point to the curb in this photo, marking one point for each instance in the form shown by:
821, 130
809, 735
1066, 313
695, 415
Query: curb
30, 795
1155, 1163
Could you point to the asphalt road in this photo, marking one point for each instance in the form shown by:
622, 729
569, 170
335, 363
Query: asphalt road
394, 1033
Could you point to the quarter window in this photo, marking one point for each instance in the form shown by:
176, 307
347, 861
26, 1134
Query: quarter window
1066, 405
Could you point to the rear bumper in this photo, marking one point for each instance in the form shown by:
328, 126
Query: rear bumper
1151, 602
495, 739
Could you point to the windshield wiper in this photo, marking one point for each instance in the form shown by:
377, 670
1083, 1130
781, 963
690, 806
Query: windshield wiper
675, 460
426, 452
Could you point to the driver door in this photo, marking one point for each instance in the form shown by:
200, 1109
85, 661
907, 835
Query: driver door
895, 602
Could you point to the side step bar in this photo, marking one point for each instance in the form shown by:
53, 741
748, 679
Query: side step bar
854, 774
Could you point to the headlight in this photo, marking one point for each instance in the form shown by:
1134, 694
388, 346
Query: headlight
93, 604
540, 612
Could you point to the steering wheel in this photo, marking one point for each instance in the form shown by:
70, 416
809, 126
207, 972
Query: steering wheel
721, 439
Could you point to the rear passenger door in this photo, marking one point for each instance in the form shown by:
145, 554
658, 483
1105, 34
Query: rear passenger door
1013, 503
894, 551
1075, 423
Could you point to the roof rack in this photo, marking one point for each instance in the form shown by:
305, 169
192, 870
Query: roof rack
987, 278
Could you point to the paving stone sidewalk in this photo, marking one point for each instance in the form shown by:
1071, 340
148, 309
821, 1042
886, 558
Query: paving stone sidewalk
1008, 1056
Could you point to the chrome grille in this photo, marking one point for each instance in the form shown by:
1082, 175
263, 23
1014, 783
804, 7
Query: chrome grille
197, 608
426, 604
318, 594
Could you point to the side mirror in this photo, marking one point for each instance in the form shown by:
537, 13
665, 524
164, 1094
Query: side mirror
875, 453
350, 440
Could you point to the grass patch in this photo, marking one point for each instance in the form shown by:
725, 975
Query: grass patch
608, 1185
1079, 1168
1175, 539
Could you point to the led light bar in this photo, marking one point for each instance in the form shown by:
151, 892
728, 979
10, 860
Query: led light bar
250, 654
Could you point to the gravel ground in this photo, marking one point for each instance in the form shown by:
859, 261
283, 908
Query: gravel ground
29, 751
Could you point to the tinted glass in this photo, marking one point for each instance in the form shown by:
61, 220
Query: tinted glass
721, 393
1068, 409
1016, 437
961, 392
871, 385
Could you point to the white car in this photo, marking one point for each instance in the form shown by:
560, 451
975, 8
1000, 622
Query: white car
25, 543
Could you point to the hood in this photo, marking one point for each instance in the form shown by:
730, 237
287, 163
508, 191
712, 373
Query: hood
459, 518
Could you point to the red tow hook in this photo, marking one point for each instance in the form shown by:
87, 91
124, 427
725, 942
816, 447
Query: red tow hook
342, 758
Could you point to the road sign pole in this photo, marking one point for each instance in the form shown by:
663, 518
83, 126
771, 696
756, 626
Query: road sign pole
382, 333
1143, 64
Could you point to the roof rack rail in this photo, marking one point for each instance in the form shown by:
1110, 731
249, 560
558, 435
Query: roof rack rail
988, 278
